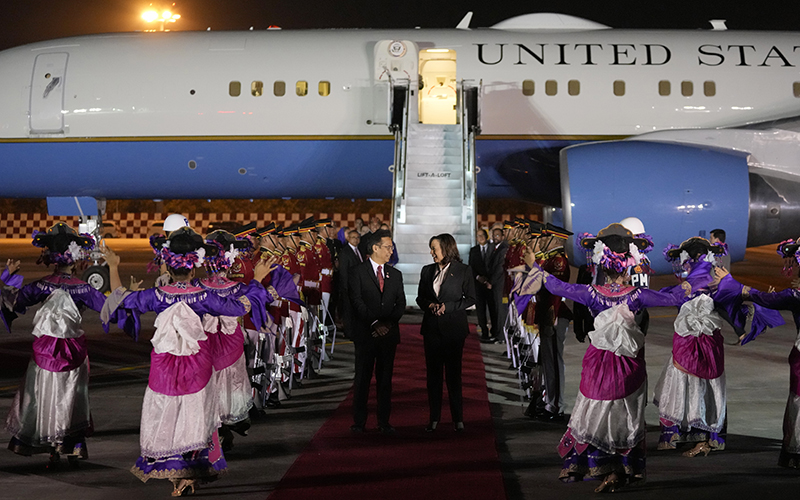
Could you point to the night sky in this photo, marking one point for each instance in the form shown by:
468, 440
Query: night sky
25, 21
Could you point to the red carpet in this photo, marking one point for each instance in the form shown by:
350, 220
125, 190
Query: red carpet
412, 463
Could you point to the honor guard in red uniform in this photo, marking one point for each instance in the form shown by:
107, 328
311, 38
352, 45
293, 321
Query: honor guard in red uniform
514, 265
288, 260
310, 268
310, 277
322, 250
552, 320
258, 346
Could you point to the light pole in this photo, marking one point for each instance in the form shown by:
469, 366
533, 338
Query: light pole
162, 18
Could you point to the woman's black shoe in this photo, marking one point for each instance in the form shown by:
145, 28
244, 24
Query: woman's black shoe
431, 426
459, 426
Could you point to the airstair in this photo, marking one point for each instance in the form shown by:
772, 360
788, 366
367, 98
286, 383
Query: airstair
434, 183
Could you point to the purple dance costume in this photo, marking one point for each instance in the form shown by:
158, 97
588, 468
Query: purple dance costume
786, 300
690, 393
226, 338
606, 432
180, 414
50, 412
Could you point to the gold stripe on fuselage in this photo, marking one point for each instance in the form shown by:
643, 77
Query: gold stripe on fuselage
190, 138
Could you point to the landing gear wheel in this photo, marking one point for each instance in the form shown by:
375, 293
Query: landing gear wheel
98, 278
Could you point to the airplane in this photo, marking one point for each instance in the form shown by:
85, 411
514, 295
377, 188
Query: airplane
687, 130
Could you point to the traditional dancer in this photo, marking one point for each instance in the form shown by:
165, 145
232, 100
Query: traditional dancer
226, 339
690, 394
50, 412
180, 412
785, 300
606, 433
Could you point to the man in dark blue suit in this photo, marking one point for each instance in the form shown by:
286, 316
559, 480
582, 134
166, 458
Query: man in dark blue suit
378, 300
479, 257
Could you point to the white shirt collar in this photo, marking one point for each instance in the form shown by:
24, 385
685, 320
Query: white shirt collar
375, 266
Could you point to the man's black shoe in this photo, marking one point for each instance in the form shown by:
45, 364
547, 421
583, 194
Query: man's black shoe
387, 429
357, 429
487, 340
499, 340
257, 414
548, 416
272, 401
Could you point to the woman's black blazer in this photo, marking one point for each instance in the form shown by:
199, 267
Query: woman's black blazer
457, 293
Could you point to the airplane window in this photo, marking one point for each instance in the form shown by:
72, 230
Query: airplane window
257, 88
709, 88
619, 88
573, 87
301, 88
664, 87
324, 88
551, 87
528, 87
279, 88
687, 88
235, 89
796, 88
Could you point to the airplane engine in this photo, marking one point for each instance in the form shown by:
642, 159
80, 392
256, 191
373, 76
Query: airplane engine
678, 191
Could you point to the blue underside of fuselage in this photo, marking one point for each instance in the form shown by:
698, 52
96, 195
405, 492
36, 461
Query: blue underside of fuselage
225, 169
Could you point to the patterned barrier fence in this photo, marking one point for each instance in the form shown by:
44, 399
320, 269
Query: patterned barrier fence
137, 225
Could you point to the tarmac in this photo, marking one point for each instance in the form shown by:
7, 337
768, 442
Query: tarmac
757, 380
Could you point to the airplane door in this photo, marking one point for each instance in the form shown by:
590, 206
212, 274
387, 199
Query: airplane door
395, 65
437, 99
47, 93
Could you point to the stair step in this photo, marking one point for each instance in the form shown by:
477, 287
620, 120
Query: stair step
425, 230
432, 210
419, 241
453, 170
420, 127
433, 192
438, 221
412, 160
422, 182
417, 148
426, 142
436, 200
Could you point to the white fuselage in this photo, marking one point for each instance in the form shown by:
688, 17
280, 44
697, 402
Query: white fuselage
140, 85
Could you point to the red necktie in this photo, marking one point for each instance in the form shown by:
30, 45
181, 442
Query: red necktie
380, 277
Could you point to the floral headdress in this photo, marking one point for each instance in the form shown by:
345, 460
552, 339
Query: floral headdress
228, 248
62, 245
614, 247
679, 256
788, 249
185, 249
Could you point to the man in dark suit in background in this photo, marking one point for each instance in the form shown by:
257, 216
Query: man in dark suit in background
378, 300
349, 257
479, 256
374, 225
497, 278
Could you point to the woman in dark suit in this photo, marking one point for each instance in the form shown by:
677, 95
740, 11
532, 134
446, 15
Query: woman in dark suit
446, 290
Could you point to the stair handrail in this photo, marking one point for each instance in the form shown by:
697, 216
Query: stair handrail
400, 153
468, 132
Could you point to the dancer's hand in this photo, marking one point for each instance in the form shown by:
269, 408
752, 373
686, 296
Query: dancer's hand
271, 262
111, 258
135, 285
261, 270
12, 266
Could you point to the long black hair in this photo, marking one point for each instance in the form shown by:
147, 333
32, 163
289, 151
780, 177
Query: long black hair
448, 246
